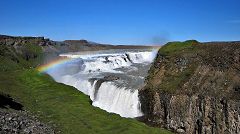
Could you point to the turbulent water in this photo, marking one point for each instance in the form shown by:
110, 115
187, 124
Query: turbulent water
111, 78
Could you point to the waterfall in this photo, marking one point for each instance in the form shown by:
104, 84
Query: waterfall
111, 79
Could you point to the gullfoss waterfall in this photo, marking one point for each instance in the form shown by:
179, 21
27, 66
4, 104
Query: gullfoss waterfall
111, 78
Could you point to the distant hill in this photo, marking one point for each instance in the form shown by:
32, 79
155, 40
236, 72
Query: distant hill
64, 46
18, 52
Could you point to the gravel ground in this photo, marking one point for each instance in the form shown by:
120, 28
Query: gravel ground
21, 122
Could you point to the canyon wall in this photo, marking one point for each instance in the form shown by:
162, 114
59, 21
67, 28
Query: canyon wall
194, 87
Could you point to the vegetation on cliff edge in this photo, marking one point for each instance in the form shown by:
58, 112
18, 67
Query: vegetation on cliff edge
172, 54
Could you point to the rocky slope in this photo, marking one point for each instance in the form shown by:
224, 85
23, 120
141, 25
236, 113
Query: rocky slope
13, 119
14, 122
194, 87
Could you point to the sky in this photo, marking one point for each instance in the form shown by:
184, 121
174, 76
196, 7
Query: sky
127, 22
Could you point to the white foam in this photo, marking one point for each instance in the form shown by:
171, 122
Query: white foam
101, 64
118, 100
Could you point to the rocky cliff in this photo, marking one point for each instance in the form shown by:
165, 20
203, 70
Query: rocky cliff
194, 87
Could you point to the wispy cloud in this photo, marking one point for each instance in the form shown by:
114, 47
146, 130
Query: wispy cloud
237, 21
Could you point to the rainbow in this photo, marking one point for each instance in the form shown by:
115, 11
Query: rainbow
52, 64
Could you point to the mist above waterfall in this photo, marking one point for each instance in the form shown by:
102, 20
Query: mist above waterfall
111, 77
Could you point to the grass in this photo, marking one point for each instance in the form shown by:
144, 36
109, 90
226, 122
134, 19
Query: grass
172, 78
6, 64
64, 107
177, 47
27, 55
172, 81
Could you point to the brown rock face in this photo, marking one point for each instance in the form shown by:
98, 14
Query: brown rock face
195, 114
195, 89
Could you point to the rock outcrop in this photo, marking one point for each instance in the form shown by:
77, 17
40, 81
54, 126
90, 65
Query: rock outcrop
194, 88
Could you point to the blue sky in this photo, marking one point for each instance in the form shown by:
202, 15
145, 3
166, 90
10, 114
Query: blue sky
123, 21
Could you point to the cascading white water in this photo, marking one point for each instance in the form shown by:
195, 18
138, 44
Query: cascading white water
118, 100
117, 96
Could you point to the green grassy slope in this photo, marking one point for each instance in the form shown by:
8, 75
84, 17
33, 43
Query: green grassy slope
65, 107
25, 56
174, 48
